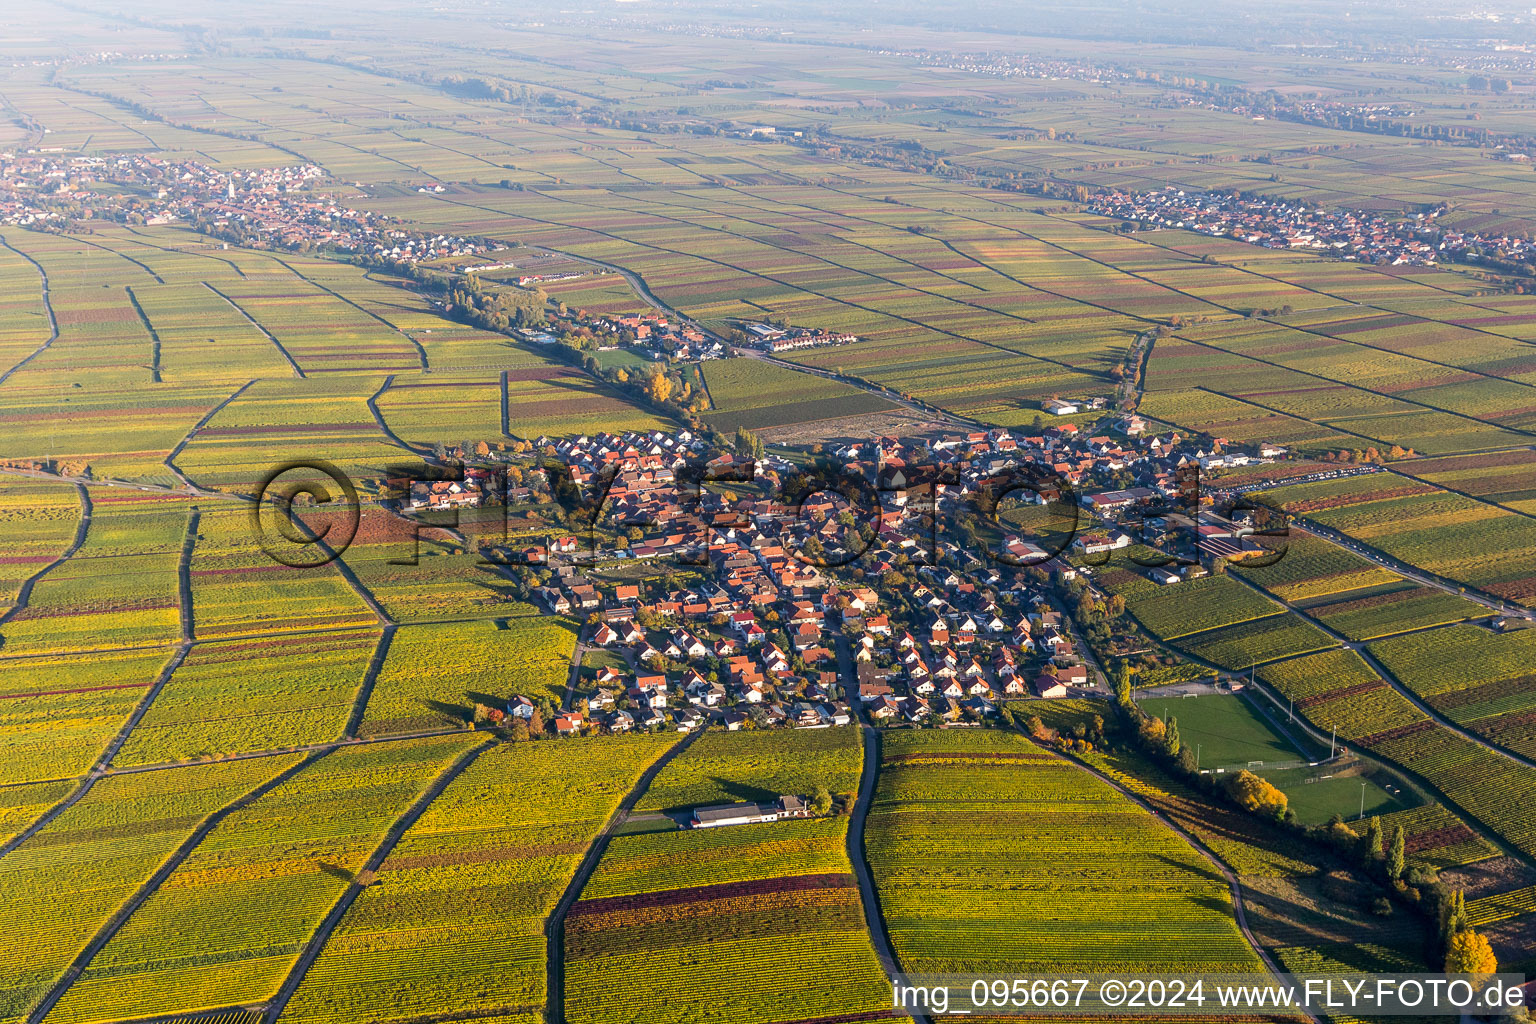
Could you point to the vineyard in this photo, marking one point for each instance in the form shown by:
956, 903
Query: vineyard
66, 881
743, 923
1491, 689
231, 920
1337, 691
243, 695
992, 855
262, 236
454, 919
755, 394
1460, 538
726, 766
417, 688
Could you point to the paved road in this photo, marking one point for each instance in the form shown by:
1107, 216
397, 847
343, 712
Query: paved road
869, 895
1083, 649
554, 925
574, 676
1410, 572
1389, 679
1239, 910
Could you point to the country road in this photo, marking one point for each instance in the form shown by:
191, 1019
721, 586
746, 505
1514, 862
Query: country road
642, 290
1387, 677
1239, 910
578, 653
1410, 572
857, 857
554, 925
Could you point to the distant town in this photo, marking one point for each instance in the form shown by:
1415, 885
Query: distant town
1416, 240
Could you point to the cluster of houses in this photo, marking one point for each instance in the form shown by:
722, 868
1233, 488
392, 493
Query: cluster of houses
1285, 224
779, 339
754, 633
660, 336
969, 654
277, 206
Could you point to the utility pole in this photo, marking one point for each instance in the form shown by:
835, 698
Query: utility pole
1362, 801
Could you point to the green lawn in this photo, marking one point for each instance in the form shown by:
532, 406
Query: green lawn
1320, 799
1224, 728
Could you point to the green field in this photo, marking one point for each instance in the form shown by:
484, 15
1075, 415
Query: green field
1225, 728
755, 394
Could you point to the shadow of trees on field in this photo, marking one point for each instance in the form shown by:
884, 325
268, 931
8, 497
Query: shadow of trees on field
336, 871
455, 711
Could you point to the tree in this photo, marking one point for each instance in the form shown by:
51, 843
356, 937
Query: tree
1171, 739
1397, 854
1120, 681
821, 802
1469, 953
1257, 795
658, 388
1453, 917
1372, 848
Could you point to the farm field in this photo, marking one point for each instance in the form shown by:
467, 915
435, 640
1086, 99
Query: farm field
754, 394
262, 694
1459, 538
237, 589
65, 882
1187, 608
234, 240
40, 519
1490, 690
120, 589
58, 712
425, 575
491, 660
759, 922
718, 763
455, 918
225, 926
960, 814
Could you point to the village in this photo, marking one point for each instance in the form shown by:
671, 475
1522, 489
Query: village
1279, 224
283, 207
718, 588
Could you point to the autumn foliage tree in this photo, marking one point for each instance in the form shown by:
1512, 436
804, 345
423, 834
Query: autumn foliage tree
1469, 953
1257, 795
